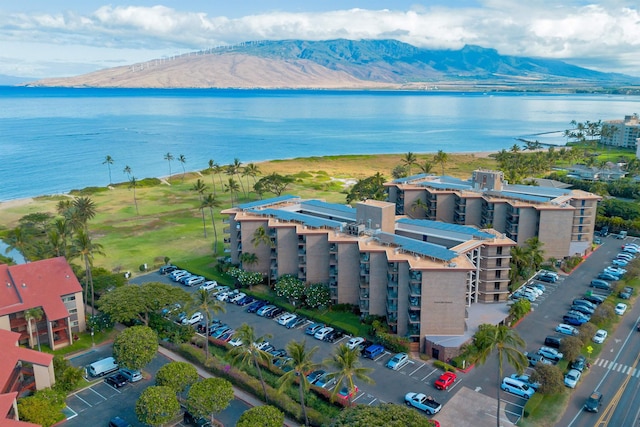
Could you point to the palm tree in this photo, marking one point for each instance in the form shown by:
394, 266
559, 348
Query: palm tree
207, 304
248, 258
17, 239
63, 206
132, 184
168, 157
36, 314
200, 188
346, 363
251, 170
426, 166
261, 237
409, 160
419, 204
232, 187
535, 251
84, 248
249, 353
301, 363
218, 170
234, 169
212, 169
127, 170
211, 202
508, 343
84, 209
182, 159
108, 161
442, 158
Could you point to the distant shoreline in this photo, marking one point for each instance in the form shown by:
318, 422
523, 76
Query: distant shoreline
12, 203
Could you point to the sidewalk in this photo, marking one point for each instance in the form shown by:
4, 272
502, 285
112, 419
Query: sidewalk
239, 394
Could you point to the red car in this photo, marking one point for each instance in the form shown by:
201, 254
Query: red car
445, 380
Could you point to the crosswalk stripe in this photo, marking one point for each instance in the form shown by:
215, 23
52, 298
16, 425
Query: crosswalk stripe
621, 365
614, 366
618, 367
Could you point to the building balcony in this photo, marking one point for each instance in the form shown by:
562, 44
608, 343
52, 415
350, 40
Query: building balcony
392, 307
392, 294
414, 317
17, 323
364, 293
415, 291
414, 303
392, 319
364, 306
413, 331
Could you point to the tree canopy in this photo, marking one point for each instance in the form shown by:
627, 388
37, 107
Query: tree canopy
177, 376
368, 188
209, 396
131, 302
135, 347
386, 414
157, 405
43, 408
273, 183
261, 416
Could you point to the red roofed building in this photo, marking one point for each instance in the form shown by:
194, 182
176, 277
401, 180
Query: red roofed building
22, 370
50, 285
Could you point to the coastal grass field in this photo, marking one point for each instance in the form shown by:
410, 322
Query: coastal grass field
169, 222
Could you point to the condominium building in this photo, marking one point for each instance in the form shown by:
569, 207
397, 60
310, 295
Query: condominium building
48, 285
432, 281
562, 219
22, 370
622, 133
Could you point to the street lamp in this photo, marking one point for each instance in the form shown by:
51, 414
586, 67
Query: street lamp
93, 344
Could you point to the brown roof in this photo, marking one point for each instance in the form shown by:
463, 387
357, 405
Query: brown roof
37, 284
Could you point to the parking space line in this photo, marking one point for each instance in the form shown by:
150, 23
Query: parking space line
86, 403
417, 369
358, 397
372, 402
74, 413
343, 338
386, 353
428, 375
97, 393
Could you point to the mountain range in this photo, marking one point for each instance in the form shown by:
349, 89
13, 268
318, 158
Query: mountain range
348, 64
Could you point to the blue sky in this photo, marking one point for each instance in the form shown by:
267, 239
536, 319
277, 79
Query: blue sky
44, 38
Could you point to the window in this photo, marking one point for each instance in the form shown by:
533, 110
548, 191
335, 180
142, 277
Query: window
73, 311
499, 262
69, 298
496, 286
498, 273
499, 250
496, 297
74, 323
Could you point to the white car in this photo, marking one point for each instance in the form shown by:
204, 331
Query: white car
237, 297
322, 333
226, 296
533, 289
262, 345
235, 342
563, 328
209, 285
286, 318
195, 318
354, 342
620, 308
572, 377
600, 336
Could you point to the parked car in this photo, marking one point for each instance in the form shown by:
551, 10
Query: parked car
582, 301
296, 322
398, 361
255, 306
235, 342
354, 342
218, 333
563, 328
594, 401
600, 284
193, 420
313, 376
219, 290
274, 313
116, 380
194, 281
573, 320
226, 296
286, 318
550, 353
606, 276
619, 262
553, 341
517, 387
579, 363
166, 269
132, 375
281, 352
325, 381
583, 309
445, 381
527, 380
626, 292
620, 309
118, 422
585, 317
183, 279
209, 285
322, 333
600, 336
572, 377
245, 301
195, 318
347, 394
334, 336
313, 328
263, 346
237, 297
422, 402
265, 309
547, 276
596, 299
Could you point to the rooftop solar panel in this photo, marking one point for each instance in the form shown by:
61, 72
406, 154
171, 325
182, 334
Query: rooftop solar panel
446, 185
307, 220
416, 246
519, 196
455, 228
410, 178
535, 190
335, 208
267, 202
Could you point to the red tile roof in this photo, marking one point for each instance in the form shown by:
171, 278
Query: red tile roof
37, 284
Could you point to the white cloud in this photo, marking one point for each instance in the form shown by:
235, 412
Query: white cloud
595, 36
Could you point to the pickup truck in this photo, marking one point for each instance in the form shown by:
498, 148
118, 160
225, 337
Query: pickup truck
423, 402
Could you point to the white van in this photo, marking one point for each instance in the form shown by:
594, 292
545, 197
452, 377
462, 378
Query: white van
517, 387
102, 367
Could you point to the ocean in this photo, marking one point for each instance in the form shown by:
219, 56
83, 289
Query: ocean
56, 139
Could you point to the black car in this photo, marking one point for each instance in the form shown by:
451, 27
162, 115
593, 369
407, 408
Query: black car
294, 323
245, 301
579, 363
166, 269
274, 313
334, 335
594, 401
281, 352
116, 380
625, 293
583, 309
192, 420
118, 422
553, 341
596, 299
255, 306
